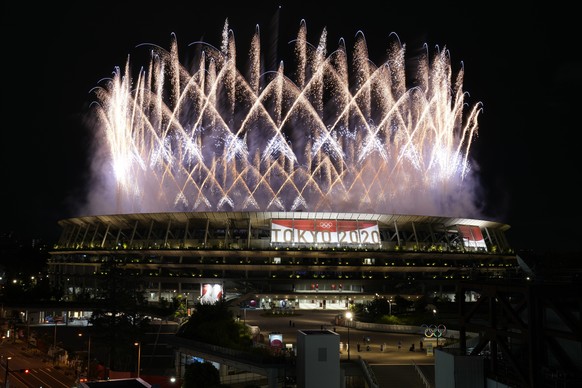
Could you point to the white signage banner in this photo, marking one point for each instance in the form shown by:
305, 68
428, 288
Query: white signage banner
324, 232
472, 236
210, 293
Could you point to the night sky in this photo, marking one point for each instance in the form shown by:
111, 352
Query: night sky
521, 64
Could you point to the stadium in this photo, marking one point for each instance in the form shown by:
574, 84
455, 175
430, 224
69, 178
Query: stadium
211, 183
302, 260
323, 192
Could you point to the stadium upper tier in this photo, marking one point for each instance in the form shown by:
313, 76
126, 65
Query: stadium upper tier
287, 230
287, 257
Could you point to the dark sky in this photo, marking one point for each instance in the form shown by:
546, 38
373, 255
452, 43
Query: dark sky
521, 64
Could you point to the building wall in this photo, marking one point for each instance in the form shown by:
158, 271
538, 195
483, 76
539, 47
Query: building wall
458, 371
318, 359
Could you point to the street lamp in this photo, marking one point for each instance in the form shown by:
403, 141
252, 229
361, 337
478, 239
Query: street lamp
88, 352
28, 322
349, 316
138, 344
55, 342
88, 356
6, 375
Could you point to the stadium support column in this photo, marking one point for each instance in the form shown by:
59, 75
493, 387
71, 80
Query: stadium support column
397, 233
415, 234
168, 229
249, 235
206, 233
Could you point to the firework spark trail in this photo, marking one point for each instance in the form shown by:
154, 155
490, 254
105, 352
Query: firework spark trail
336, 139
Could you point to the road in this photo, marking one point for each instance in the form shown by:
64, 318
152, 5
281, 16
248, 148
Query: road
392, 366
41, 374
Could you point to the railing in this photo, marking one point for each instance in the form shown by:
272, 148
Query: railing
368, 373
422, 376
409, 329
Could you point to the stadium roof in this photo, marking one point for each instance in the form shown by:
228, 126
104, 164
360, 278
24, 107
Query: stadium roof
263, 218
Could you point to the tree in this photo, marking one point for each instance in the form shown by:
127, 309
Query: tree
379, 307
118, 332
24, 263
402, 303
181, 304
420, 304
201, 375
215, 324
123, 317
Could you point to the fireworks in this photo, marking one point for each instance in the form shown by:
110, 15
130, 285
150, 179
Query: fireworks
343, 135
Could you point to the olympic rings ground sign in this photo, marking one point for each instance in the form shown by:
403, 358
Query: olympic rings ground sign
434, 331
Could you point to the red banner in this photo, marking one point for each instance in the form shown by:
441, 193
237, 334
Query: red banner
324, 232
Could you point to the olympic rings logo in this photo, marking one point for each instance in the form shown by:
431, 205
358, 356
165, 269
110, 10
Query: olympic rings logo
325, 225
436, 331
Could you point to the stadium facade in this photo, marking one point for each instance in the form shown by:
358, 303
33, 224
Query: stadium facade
301, 260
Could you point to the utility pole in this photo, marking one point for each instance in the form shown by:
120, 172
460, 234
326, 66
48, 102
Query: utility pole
6, 374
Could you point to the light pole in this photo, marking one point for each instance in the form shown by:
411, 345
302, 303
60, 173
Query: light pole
88, 352
6, 375
55, 342
138, 344
28, 322
88, 356
349, 316
434, 312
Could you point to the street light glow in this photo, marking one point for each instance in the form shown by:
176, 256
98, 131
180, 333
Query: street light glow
349, 317
138, 344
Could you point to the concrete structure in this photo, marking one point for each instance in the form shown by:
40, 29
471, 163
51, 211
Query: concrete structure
458, 370
280, 260
318, 359
117, 383
302, 260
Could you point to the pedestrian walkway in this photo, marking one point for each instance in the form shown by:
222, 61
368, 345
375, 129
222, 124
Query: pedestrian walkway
391, 356
399, 376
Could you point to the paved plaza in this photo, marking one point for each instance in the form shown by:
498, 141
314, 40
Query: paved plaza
393, 365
